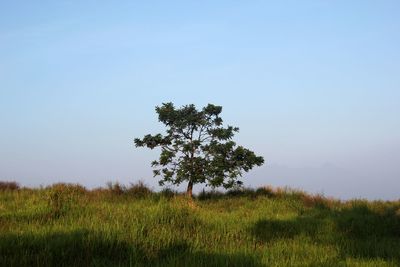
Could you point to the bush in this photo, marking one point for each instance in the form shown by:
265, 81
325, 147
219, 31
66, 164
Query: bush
265, 191
139, 190
61, 197
241, 192
116, 188
168, 193
11, 186
213, 194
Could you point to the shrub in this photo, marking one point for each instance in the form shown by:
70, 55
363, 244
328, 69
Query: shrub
265, 191
168, 193
241, 192
116, 188
4, 185
139, 190
61, 197
213, 194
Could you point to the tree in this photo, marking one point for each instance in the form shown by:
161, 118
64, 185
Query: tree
197, 148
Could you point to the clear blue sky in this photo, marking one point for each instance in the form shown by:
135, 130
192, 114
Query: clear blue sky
313, 85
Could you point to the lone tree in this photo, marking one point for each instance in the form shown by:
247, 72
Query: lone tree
197, 148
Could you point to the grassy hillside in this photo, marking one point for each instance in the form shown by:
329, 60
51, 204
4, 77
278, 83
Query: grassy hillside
67, 225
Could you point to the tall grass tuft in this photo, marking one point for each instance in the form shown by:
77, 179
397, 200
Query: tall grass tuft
116, 188
62, 197
139, 190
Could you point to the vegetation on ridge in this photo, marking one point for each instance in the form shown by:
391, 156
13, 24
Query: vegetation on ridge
68, 225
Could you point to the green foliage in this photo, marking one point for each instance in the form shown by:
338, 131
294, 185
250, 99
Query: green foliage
197, 148
263, 227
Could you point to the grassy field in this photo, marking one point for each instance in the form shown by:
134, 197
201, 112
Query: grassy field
66, 225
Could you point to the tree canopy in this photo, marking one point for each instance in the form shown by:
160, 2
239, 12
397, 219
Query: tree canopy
197, 148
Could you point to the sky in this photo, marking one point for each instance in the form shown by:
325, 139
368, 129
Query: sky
314, 87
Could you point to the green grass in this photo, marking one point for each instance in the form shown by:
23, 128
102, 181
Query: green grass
69, 226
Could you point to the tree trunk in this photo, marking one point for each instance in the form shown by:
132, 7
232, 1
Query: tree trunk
189, 189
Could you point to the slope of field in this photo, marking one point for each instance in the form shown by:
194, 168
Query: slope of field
68, 226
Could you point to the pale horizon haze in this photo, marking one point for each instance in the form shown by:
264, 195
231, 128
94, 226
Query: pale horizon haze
314, 87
